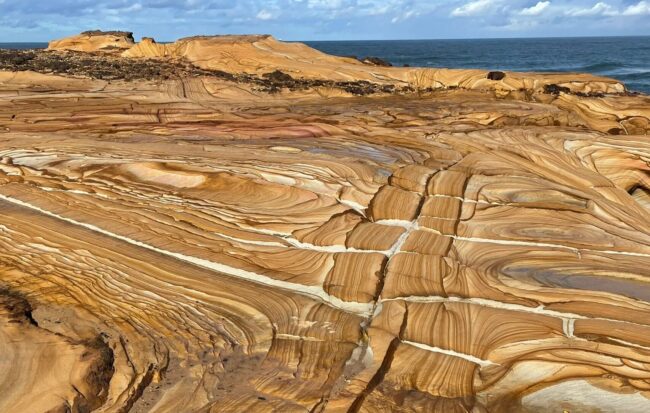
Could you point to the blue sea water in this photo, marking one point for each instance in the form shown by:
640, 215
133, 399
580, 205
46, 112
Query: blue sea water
624, 58
23, 45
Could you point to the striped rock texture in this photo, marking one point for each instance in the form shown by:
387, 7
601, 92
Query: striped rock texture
196, 245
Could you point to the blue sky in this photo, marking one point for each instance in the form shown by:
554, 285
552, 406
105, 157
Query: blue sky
41, 20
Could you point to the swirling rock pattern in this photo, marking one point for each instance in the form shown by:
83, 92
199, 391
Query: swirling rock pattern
196, 245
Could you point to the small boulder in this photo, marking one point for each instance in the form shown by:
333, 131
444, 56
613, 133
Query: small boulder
496, 75
376, 61
554, 89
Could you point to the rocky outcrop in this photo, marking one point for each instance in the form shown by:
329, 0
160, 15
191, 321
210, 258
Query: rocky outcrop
94, 41
258, 54
196, 244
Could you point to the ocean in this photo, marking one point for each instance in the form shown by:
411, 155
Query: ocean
23, 45
624, 58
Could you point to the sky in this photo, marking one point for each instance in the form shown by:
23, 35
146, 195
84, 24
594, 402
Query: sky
166, 20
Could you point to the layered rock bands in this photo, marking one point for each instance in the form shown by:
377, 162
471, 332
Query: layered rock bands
457, 241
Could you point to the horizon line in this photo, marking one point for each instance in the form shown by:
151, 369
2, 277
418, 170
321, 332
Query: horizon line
474, 38
397, 40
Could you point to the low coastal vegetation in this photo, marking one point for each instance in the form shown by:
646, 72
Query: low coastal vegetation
107, 66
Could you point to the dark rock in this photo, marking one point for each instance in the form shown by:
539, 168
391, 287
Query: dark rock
496, 75
554, 89
376, 61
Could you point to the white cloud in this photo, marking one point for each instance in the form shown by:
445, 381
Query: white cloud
24, 20
640, 9
521, 17
264, 15
516, 24
325, 4
599, 9
405, 16
535, 10
473, 8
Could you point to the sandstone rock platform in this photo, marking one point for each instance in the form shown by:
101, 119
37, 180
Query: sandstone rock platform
219, 238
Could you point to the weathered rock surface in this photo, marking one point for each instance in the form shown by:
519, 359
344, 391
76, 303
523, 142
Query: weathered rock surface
196, 244
256, 54
95, 40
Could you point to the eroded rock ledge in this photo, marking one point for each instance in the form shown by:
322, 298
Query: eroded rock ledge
46, 370
197, 244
